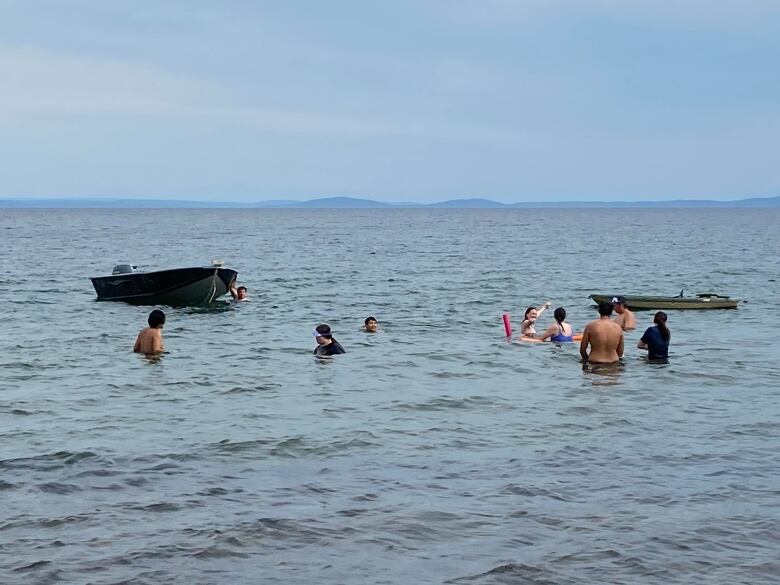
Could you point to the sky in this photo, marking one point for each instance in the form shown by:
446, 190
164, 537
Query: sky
410, 100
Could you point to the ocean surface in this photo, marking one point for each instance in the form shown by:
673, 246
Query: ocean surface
434, 451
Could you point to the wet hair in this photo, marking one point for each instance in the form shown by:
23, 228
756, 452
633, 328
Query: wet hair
528, 310
660, 321
324, 330
369, 318
243, 288
156, 318
559, 314
605, 309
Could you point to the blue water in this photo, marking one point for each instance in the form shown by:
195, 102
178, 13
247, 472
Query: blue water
433, 451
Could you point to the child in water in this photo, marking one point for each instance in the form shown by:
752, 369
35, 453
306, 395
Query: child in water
150, 338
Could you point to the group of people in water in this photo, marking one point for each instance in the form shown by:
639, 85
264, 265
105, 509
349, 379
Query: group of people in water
150, 340
602, 340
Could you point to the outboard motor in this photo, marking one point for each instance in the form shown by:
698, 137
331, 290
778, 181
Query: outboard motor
123, 269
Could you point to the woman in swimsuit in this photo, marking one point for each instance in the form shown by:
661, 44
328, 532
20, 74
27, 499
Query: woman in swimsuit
531, 315
559, 331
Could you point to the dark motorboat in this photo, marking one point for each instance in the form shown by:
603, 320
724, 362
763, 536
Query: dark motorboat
700, 301
177, 286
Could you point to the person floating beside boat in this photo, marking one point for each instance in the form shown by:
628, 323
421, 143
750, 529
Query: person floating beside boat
656, 339
239, 294
625, 318
560, 331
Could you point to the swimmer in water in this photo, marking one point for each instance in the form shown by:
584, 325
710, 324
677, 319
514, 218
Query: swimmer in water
604, 337
239, 294
326, 344
150, 340
531, 315
560, 331
656, 339
370, 325
625, 318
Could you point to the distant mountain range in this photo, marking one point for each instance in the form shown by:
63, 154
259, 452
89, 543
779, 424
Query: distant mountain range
356, 203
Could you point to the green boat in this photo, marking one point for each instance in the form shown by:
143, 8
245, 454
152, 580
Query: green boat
700, 301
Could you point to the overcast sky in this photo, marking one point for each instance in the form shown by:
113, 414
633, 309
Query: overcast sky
408, 100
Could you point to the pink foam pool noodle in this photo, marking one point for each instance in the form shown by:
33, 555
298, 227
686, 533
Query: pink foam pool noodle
507, 324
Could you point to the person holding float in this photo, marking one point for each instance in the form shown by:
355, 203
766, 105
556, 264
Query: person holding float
656, 339
527, 329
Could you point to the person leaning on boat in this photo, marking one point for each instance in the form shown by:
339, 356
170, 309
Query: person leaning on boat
239, 294
605, 338
625, 318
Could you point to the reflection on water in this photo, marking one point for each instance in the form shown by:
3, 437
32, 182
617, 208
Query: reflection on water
603, 374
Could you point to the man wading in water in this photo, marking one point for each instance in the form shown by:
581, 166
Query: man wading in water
604, 337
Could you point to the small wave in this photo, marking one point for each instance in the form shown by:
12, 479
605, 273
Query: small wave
58, 488
510, 573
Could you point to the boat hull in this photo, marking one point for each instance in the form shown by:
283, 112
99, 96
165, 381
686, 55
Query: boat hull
644, 303
178, 286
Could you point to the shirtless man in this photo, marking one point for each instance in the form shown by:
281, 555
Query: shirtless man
150, 338
239, 294
604, 337
625, 318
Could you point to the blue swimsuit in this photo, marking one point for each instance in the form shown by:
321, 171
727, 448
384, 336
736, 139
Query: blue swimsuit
560, 335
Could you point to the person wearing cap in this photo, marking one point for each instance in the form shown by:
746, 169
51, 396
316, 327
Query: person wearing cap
326, 343
625, 318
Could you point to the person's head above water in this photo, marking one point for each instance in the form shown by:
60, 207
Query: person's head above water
660, 320
605, 309
370, 324
156, 319
323, 334
241, 293
531, 313
619, 303
560, 314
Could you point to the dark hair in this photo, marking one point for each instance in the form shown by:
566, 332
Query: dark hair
605, 309
560, 314
324, 330
242, 287
528, 310
660, 321
156, 318
369, 318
